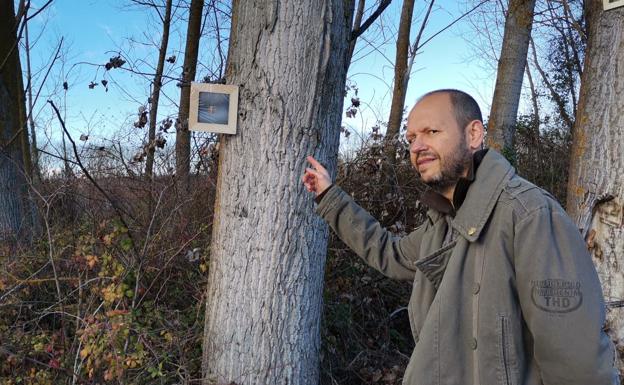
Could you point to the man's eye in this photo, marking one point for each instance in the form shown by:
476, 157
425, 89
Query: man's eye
433, 131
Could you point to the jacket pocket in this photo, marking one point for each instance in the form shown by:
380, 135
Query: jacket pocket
434, 264
508, 368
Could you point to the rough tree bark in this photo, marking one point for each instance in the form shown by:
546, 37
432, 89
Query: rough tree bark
155, 96
511, 65
183, 135
268, 247
14, 148
596, 186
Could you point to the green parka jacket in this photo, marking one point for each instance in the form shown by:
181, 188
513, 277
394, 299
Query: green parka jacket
504, 292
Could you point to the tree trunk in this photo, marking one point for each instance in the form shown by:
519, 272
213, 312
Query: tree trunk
268, 247
183, 135
511, 65
400, 83
156, 86
596, 187
14, 149
34, 152
402, 70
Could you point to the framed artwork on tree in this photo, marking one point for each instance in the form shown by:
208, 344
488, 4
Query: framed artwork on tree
610, 4
213, 108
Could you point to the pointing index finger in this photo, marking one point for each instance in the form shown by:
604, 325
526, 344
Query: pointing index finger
315, 163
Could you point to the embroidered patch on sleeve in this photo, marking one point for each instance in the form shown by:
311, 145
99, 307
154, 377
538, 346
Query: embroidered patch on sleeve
556, 295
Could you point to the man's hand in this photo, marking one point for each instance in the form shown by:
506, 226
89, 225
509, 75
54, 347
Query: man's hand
316, 180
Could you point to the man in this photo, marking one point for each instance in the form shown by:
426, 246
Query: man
504, 291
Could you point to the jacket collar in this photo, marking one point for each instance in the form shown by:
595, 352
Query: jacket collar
491, 178
492, 174
439, 203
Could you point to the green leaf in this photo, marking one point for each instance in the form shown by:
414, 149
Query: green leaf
126, 244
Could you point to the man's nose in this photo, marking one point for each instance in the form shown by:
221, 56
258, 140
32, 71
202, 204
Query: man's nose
417, 146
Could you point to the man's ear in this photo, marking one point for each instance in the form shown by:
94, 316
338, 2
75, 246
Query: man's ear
474, 135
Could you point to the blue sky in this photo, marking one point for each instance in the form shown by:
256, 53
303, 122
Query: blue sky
94, 31
447, 61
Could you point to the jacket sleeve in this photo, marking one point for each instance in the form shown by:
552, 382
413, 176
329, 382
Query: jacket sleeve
392, 256
562, 301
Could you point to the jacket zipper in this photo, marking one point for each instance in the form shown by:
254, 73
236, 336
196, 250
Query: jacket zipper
504, 350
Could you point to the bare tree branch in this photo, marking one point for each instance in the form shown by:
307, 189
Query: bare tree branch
553, 93
452, 23
39, 10
371, 19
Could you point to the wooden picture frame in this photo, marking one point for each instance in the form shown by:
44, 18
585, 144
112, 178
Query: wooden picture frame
610, 4
213, 108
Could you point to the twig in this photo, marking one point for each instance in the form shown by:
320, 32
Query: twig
452, 23
56, 56
416, 44
20, 284
397, 311
39, 10
56, 156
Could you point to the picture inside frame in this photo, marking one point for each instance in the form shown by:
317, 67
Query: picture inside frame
213, 108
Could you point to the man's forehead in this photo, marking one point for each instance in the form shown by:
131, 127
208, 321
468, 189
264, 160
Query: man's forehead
438, 104
438, 100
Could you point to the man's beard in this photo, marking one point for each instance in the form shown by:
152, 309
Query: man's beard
451, 169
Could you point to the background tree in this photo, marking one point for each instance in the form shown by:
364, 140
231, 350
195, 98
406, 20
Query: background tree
15, 166
268, 247
511, 67
596, 187
402, 68
156, 85
36, 171
183, 135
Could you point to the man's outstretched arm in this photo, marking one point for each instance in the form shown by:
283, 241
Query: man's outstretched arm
393, 257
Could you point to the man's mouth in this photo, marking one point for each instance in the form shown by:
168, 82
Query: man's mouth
422, 161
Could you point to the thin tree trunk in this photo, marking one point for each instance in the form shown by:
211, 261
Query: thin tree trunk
156, 86
400, 82
511, 65
596, 186
534, 100
534, 130
183, 135
36, 172
357, 22
268, 247
402, 69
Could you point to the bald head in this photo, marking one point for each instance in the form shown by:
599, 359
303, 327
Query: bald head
465, 108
